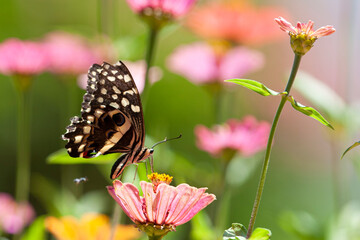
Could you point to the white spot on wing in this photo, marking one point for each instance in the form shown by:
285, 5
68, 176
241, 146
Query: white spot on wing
114, 71
127, 78
86, 129
100, 99
111, 78
91, 118
78, 138
116, 90
114, 104
103, 91
135, 108
125, 102
114, 96
98, 113
81, 147
131, 92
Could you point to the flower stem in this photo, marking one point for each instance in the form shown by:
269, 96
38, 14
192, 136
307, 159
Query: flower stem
260, 189
23, 138
149, 57
155, 237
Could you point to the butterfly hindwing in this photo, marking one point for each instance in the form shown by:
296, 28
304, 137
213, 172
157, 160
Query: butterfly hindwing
111, 114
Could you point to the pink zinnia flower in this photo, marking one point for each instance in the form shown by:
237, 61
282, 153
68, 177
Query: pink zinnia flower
304, 28
169, 7
303, 36
162, 206
200, 63
235, 21
69, 54
14, 216
246, 137
137, 70
22, 57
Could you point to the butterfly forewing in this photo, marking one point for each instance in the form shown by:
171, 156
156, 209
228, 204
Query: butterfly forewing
111, 114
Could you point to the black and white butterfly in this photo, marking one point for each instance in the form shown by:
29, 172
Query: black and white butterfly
111, 119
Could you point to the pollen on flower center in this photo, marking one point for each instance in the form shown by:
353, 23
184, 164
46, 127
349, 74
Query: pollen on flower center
157, 178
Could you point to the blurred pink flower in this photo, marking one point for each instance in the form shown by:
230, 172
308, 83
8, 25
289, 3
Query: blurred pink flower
22, 57
14, 216
174, 8
247, 136
165, 206
235, 21
200, 63
69, 54
137, 70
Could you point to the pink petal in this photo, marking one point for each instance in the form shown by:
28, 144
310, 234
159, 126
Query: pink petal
22, 57
111, 191
324, 31
128, 194
68, 53
240, 61
149, 197
285, 25
195, 195
163, 200
179, 202
205, 200
196, 62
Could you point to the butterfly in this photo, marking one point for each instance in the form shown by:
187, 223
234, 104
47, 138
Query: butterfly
111, 119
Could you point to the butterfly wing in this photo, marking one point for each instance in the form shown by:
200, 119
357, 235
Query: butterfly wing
111, 114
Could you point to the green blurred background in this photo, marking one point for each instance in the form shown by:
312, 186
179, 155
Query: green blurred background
300, 176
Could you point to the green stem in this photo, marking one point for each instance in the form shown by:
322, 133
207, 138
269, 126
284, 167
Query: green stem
260, 189
149, 57
155, 237
22, 85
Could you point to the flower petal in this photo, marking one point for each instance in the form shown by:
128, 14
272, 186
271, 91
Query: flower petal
149, 197
128, 195
205, 200
163, 200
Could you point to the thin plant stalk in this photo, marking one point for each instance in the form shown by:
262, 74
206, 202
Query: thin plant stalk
115, 220
149, 58
265, 167
22, 85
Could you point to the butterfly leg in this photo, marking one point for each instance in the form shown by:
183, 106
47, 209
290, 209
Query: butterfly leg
135, 171
152, 163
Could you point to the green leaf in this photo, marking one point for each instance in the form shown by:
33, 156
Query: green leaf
36, 231
309, 111
351, 147
260, 234
62, 157
255, 86
237, 232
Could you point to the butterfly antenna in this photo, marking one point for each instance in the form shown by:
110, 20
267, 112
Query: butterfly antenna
166, 139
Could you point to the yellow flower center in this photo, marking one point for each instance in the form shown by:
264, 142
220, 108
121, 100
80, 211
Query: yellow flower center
157, 178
